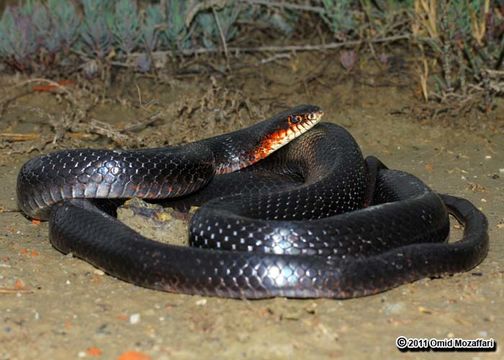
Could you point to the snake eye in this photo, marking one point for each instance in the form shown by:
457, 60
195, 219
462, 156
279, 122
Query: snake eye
311, 116
295, 119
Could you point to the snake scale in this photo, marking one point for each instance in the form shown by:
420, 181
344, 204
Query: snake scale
289, 207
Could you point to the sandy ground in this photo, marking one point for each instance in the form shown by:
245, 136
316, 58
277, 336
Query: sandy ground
62, 308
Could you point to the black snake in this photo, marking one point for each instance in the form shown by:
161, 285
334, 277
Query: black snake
313, 219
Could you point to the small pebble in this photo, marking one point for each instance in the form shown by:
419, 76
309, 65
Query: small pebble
134, 318
488, 157
103, 330
393, 309
424, 310
81, 354
98, 272
201, 302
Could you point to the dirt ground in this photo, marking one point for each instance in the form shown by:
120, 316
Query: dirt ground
59, 307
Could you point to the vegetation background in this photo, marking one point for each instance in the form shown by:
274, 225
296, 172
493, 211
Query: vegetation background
458, 44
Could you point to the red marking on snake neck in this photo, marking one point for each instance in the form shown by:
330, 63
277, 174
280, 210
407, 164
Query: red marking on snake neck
267, 145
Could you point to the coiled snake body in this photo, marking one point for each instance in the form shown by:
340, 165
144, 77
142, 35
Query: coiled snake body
313, 219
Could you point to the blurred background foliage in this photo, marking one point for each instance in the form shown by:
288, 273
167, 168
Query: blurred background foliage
460, 43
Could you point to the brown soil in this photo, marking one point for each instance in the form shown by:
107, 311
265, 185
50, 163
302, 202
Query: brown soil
59, 307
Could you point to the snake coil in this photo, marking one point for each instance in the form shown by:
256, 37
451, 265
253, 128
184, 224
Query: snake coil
312, 218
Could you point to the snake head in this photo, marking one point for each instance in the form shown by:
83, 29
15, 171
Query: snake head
287, 126
303, 116
262, 139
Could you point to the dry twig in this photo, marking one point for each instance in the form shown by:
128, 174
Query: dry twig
288, 48
222, 37
284, 5
19, 136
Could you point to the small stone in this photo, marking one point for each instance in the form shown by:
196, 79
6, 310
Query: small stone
201, 302
134, 318
395, 308
424, 310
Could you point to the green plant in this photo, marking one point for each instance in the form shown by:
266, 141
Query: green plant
126, 26
339, 17
65, 22
18, 43
218, 25
176, 33
462, 36
151, 27
96, 29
